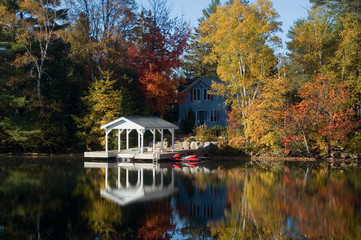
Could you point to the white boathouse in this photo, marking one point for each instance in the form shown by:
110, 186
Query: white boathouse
140, 125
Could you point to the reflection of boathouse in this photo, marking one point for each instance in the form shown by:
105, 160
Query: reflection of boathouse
128, 192
202, 205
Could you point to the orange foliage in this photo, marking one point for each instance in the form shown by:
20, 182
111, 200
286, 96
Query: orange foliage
322, 116
159, 90
156, 58
156, 221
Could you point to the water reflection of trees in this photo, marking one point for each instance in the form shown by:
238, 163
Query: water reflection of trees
61, 202
156, 221
104, 217
32, 203
279, 205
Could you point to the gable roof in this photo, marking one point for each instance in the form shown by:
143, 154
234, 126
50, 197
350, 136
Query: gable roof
143, 123
206, 81
125, 197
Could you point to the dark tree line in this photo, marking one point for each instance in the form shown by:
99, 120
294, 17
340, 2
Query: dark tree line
65, 71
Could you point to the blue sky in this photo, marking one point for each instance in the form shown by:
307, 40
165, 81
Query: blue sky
191, 10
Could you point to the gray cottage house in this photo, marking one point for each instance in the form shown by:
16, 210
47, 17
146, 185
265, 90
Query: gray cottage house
208, 109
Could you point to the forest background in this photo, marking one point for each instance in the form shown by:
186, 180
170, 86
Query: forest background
69, 67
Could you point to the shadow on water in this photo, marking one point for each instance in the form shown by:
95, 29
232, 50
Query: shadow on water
61, 198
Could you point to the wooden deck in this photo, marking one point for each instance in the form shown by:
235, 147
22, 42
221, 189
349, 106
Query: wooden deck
130, 153
101, 154
135, 165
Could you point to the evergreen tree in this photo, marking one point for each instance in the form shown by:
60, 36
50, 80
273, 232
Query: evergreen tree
194, 65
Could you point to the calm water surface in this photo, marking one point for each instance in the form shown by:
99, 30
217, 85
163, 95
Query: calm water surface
59, 198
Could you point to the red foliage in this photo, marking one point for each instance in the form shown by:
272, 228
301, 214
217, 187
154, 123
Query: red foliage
155, 223
322, 115
158, 55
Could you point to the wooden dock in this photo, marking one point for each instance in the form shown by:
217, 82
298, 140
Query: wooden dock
101, 154
132, 153
135, 165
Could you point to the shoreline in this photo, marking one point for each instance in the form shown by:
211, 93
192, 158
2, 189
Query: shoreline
285, 159
215, 158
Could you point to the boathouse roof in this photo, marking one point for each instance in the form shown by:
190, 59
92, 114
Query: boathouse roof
141, 123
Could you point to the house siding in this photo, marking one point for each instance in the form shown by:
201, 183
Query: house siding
204, 106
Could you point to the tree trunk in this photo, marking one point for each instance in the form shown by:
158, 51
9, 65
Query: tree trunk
327, 147
38, 84
307, 143
91, 66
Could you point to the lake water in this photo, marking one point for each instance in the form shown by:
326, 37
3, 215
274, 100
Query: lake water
59, 198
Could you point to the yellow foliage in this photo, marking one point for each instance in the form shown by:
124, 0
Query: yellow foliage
103, 105
263, 114
312, 42
238, 34
348, 56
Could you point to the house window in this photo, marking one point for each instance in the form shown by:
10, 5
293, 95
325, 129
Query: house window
206, 95
196, 94
214, 115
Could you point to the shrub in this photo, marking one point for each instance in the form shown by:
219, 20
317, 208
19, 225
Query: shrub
216, 131
203, 134
354, 145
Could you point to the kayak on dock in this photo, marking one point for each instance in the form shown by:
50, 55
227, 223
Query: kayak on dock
188, 158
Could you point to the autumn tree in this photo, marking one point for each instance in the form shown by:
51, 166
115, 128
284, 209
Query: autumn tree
322, 118
341, 6
102, 105
160, 43
194, 65
241, 36
102, 33
37, 25
313, 42
29, 43
264, 115
348, 58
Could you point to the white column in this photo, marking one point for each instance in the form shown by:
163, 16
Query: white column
138, 181
138, 139
142, 142
128, 131
119, 184
172, 183
161, 140
106, 140
161, 178
154, 132
127, 178
153, 177
172, 132
141, 176
106, 178
119, 140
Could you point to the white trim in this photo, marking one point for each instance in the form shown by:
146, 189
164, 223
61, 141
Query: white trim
109, 125
153, 124
119, 138
172, 132
216, 116
205, 90
198, 90
197, 81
